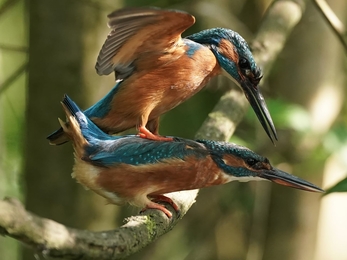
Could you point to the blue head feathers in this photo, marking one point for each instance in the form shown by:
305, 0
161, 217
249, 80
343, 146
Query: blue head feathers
252, 160
216, 38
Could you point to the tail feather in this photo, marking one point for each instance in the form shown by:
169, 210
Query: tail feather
80, 123
58, 137
73, 130
62, 135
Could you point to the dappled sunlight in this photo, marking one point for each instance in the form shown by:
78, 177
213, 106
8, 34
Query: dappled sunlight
58, 233
298, 119
325, 106
332, 228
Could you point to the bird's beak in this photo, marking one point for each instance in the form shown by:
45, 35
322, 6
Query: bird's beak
256, 99
286, 179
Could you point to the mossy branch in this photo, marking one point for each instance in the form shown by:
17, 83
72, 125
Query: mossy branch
56, 240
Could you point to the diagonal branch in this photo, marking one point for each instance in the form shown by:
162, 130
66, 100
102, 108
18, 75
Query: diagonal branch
56, 240
7, 5
333, 21
13, 77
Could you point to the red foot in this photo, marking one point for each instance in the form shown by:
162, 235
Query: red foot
145, 133
153, 205
162, 198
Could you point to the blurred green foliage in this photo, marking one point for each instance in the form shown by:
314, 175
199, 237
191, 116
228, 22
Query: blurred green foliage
296, 118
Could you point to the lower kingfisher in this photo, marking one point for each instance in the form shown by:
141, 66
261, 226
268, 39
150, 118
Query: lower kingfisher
131, 169
156, 70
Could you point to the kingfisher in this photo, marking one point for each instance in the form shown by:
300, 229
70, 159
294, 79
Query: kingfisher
131, 169
156, 70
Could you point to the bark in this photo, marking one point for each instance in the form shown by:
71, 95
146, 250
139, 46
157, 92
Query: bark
56, 240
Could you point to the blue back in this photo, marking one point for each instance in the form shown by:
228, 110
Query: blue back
107, 150
135, 150
192, 47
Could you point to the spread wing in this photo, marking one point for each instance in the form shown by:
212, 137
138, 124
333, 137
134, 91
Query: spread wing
136, 31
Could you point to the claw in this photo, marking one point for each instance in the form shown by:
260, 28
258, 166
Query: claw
145, 133
161, 198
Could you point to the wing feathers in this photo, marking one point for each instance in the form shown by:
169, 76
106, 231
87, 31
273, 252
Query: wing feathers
140, 30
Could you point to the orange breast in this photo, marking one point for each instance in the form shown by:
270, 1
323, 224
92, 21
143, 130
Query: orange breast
158, 85
127, 181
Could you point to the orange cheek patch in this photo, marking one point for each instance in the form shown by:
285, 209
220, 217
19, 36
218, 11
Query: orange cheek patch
227, 49
233, 161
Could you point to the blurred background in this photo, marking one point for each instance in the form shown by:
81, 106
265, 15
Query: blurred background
48, 48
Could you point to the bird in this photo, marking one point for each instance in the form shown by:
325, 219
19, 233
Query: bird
156, 70
139, 171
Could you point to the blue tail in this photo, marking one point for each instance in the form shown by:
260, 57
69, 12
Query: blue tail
98, 110
88, 129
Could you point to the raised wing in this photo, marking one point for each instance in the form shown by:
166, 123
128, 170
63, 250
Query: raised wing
136, 31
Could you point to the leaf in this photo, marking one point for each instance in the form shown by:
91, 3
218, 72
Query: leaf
341, 186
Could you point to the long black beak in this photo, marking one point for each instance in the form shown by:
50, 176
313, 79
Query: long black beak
286, 179
256, 99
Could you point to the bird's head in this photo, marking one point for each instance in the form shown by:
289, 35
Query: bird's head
242, 164
237, 63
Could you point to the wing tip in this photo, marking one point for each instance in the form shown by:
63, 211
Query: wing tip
146, 11
134, 10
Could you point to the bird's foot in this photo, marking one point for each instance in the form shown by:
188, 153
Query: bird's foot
161, 198
145, 133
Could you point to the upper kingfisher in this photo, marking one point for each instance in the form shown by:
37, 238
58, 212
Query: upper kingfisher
130, 169
156, 70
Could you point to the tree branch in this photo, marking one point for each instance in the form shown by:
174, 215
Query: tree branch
13, 77
7, 5
7, 47
333, 21
56, 240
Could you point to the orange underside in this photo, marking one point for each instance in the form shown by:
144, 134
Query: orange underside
128, 181
156, 87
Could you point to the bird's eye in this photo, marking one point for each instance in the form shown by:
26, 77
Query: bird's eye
251, 162
244, 64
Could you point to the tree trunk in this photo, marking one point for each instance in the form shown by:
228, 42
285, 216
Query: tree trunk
12, 102
55, 68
